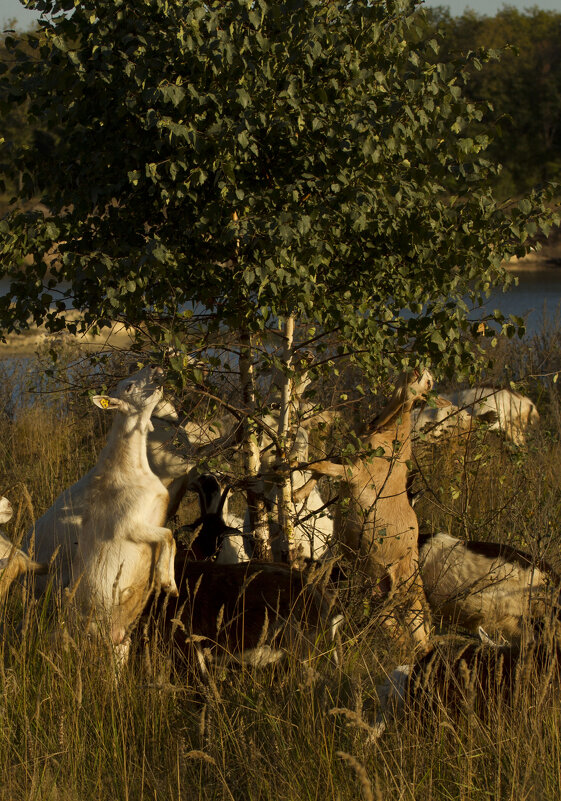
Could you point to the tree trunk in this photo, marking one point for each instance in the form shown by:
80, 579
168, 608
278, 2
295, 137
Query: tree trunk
251, 456
284, 484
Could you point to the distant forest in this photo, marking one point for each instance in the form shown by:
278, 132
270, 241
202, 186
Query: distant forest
523, 86
520, 85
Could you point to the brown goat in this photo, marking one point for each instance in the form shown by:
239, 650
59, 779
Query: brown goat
375, 521
251, 613
458, 675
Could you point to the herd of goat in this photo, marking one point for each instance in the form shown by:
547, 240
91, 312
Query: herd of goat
106, 549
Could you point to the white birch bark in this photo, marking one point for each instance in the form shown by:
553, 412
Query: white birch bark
284, 493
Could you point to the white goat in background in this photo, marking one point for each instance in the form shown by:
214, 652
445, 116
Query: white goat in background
313, 526
514, 412
441, 421
485, 584
13, 562
175, 447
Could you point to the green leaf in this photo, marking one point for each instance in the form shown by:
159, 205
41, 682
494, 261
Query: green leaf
255, 18
237, 164
172, 93
243, 97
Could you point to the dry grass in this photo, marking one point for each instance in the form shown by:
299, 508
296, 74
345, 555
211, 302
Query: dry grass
69, 731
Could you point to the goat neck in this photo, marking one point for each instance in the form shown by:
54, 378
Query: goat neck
133, 403
410, 388
126, 445
393, 423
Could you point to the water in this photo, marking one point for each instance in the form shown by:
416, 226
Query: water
56, 293
537, 298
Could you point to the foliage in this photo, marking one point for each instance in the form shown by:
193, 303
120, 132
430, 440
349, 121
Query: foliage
15, 130
253, 162
524, 88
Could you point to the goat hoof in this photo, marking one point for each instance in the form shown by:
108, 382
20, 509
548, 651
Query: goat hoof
171, 589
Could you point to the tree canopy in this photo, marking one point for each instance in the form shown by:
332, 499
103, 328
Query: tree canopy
255, 161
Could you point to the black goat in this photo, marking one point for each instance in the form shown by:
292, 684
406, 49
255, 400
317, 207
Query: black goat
215, 539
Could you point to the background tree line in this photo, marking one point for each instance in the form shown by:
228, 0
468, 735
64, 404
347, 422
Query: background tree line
523, 87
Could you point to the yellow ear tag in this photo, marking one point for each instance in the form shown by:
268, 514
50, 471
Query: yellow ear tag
104, 403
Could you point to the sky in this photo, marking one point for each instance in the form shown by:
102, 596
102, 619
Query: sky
13, 9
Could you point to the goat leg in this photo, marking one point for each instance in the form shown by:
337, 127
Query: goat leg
326, 468
164, 571
302, 493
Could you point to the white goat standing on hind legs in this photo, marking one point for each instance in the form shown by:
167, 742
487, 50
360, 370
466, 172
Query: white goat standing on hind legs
124, 549
55, 535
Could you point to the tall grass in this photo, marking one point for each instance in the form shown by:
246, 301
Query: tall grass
70, 730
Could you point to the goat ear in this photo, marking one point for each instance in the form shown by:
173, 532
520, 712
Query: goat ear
106, 403
485, 639
223, 497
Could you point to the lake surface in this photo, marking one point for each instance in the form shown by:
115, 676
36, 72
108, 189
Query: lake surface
537, 298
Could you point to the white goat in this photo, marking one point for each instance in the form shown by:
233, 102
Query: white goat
514, 412
444, 420
13, 562
175, 447
171, 453
124, 549
484, 584
58, 530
